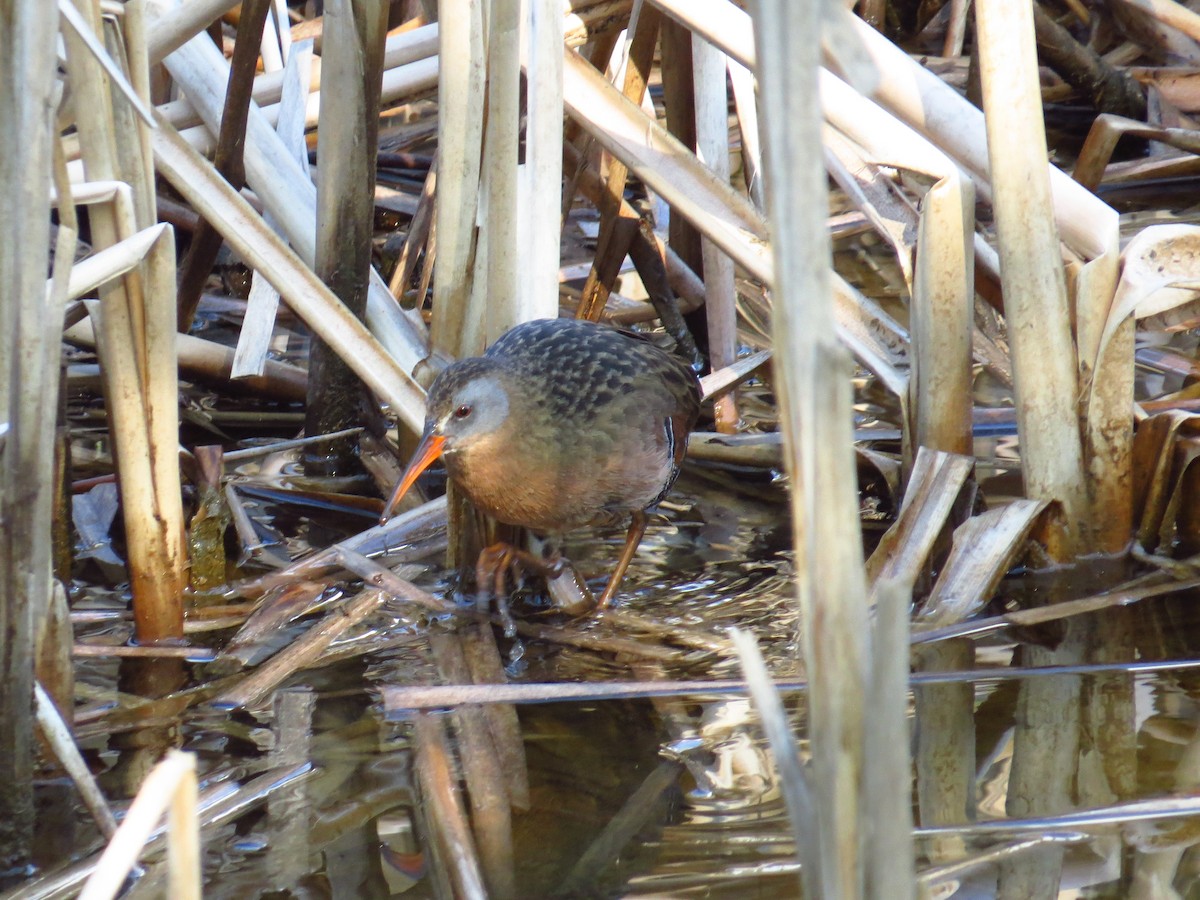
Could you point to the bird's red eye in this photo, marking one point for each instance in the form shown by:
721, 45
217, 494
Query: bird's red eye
462, 412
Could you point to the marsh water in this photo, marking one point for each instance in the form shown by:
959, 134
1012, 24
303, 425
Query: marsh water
688, 781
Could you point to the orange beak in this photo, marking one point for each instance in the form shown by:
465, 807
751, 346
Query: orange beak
427, 451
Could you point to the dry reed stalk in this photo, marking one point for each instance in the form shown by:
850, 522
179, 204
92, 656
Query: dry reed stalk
301, 652
890, 852
1035, 287
540, 202
169, 788
288, 194
138, 353
620, 223
262, 305
859, 319
1103, 136
1171, 14
811, 369
58, 735
1088, 226
29, 374
746, 103
249, 236
183, 830
400, 700
173, 26
1046, 743
458, 328
419, 237
487, 666
400, 83
200, 358
803, 803
347, 144
679, 118
943, 273
193, 653
124, 39
719, 22
228, 158
277, 38
218, 806
720, 212
443, 810
486, 780
934, 485
54, 634
665, 165
956, 30
945, 752
712, 149
984, 548
83, 29
859, 172
466, 318
499, 269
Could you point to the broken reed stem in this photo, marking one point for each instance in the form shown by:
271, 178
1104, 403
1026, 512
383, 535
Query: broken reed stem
943, 277
619, 223
169, 788
1046, 743
302, 652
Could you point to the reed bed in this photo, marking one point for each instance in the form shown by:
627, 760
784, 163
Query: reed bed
400, 184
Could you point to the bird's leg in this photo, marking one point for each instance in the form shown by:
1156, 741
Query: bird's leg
493, 565
490, 570
633, 537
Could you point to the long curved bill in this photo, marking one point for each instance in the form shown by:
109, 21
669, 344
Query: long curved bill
427, 451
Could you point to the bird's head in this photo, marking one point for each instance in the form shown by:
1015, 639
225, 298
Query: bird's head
467, 405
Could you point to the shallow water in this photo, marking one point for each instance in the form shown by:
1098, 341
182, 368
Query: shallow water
705, 818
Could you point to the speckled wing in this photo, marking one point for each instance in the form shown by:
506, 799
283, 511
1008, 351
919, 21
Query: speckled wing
596, 369
627, 405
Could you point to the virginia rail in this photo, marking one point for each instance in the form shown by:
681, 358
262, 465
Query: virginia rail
561, 424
